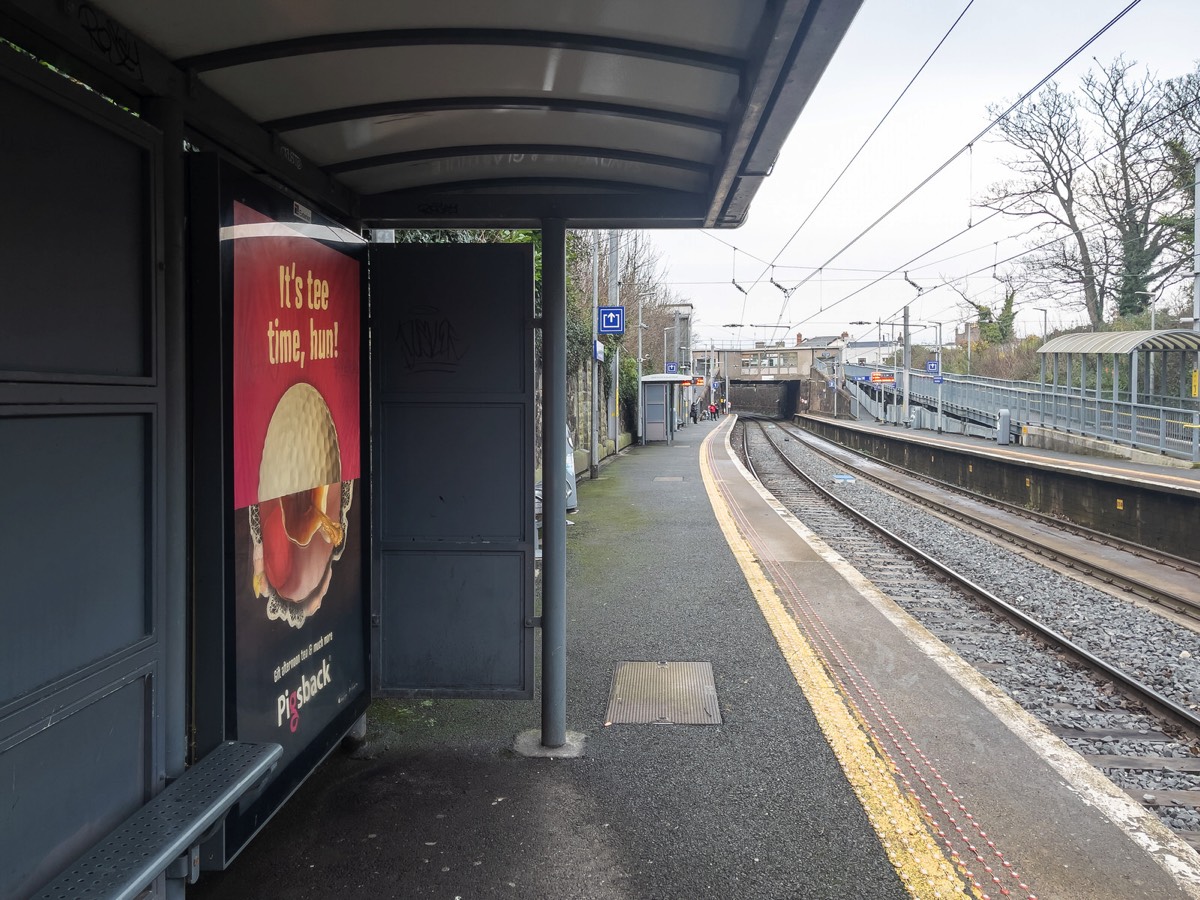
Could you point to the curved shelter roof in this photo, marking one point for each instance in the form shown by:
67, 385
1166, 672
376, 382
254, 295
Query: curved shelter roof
474, 112
1122, 342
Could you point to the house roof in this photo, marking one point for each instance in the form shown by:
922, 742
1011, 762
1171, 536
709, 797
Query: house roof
820, 343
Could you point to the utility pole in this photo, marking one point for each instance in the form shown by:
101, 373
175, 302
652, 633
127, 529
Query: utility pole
637, 296
594, 453
907, 359
1196, 318
614, 299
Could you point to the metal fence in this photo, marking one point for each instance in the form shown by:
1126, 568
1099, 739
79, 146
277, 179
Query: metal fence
972, 405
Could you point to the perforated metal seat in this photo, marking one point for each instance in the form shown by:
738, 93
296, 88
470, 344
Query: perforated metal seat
124, 863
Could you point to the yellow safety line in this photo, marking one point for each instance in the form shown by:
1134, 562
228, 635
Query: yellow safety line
921, 863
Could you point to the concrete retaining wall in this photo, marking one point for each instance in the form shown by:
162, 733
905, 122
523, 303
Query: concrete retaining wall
1144, 514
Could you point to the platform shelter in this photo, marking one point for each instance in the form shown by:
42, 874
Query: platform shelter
241, 422
1126, 366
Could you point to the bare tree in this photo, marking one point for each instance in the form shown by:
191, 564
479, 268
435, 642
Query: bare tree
1183, 98
1135, 194
1098, 177
1052, 147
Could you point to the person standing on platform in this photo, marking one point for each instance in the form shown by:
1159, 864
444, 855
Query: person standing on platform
695, 412
712, 410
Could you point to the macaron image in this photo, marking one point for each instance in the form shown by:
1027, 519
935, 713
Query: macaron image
298, 527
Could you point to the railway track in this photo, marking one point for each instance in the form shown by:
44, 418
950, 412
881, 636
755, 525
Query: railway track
1155, 576
1140, 731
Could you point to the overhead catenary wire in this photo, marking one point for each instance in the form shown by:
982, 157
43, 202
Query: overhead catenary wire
1003, 209
913, 263
869, 137
997, 120
1042, 246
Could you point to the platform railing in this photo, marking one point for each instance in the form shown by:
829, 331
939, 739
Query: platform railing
1169, 430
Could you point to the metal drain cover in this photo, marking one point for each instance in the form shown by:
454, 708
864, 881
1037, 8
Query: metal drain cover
663, 693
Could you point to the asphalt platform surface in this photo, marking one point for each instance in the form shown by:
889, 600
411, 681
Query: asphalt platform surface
438, 803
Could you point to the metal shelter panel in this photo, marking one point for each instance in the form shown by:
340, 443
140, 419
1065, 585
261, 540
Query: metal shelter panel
83, 436
600, 114
452, 342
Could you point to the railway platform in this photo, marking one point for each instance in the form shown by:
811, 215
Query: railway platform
1150, 468
855, 756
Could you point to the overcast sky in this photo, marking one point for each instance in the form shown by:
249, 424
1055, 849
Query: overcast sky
998, 51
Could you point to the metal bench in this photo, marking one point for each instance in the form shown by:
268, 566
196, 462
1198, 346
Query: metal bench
169, 828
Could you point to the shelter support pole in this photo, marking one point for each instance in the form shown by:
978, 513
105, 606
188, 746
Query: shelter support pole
1133, 395
1054, 396
167, 115
1042, 379
1070, 382
554, 475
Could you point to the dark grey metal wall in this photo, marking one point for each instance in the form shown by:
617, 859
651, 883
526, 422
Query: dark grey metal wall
83, 449
452, 349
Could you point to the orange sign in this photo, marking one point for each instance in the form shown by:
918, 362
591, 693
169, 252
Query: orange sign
883, 377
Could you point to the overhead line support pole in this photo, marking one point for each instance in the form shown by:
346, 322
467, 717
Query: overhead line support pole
594, 365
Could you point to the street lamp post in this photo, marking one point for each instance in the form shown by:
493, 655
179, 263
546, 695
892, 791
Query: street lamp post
1045, 322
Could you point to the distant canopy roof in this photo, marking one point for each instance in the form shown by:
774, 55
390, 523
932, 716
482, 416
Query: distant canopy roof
475, 112
1122, 342
661, 378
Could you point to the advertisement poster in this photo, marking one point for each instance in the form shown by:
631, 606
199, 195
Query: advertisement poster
297, 490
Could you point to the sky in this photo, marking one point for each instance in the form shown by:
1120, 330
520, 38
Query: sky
998, 51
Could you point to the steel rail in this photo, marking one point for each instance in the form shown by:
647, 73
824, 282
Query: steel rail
1144, 589
1144, 693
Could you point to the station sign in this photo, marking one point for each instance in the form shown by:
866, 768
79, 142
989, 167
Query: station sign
883, 378
610, 320
671, 368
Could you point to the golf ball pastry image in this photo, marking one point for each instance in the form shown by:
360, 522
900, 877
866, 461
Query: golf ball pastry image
298, 527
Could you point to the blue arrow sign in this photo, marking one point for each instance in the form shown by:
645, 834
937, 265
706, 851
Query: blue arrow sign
931, 365
611, 320
672, 368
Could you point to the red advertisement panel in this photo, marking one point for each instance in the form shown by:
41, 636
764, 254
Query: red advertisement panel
296, 481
